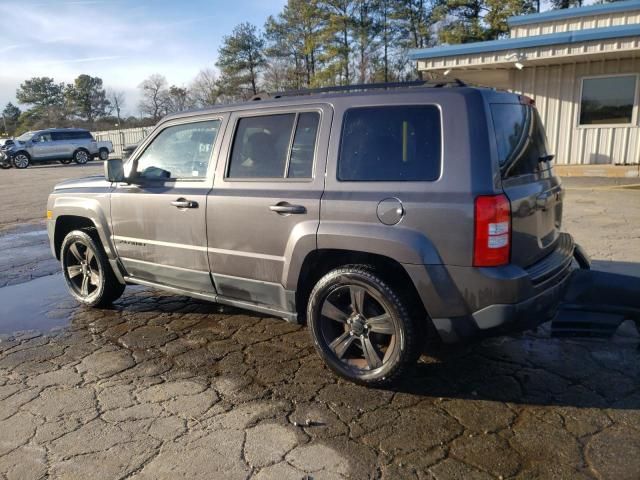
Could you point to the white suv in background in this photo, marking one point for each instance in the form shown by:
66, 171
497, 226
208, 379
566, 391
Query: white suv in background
62, 144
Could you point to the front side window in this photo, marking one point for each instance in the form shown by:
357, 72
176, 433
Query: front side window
181, 152
391, 144
608, 100
274, 146
520, 138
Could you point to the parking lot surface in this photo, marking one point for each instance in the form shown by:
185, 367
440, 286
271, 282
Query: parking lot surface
162, 386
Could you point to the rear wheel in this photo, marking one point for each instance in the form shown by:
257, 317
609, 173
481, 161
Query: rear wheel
361, 327
104, 154
81, 157
21, 160
88, 274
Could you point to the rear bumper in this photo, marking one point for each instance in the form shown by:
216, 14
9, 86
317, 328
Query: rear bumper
466, 302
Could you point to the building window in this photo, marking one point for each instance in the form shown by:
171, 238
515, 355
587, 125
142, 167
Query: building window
608, 100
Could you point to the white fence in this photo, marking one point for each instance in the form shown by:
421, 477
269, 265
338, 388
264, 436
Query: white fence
122, 138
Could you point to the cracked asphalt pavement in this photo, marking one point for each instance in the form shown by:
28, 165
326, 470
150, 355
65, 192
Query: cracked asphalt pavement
164, 386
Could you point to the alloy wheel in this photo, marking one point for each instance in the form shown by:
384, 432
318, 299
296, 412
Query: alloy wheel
104, 155
82, 269
81, 157
357, 328
21, 161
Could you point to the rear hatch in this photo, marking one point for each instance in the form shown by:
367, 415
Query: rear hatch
528, 181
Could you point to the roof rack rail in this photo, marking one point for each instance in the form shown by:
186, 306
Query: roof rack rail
366, 86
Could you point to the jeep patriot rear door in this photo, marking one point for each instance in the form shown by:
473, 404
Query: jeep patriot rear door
264, 209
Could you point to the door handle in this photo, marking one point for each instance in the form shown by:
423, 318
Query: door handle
184, 203
284, 208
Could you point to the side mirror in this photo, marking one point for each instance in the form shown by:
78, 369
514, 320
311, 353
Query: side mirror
114, 170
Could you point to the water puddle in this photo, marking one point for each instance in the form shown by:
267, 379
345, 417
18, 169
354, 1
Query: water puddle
41, 304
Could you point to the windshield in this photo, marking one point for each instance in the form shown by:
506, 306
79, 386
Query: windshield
25, 137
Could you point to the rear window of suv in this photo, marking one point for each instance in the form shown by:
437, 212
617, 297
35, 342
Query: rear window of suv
520, 137
391, 144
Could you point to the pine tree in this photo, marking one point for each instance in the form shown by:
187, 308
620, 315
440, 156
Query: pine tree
241, 59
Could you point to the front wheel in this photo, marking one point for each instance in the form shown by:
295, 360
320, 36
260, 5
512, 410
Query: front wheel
81, 157
88, 274
361, 327
21, 160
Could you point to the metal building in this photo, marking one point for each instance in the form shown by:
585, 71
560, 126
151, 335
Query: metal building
580, 65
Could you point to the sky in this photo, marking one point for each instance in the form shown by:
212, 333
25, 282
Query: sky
120, 41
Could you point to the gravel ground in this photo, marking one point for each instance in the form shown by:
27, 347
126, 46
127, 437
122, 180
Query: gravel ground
163, 386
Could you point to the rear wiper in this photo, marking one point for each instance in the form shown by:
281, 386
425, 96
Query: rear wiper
546, 158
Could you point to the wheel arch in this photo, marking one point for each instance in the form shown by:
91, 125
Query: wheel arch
66, 224
70, 212
81, 149
24, 152
321, 261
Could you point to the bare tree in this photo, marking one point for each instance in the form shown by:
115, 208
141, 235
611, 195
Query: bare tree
117, 99
204, 90
155, 96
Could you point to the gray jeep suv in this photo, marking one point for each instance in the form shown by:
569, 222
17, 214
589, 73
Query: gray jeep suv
62, 144
380, 218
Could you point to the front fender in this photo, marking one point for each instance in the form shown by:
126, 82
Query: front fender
94, 207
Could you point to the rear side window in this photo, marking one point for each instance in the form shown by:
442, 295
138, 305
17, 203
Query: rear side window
520, 138
274, 146
391, 144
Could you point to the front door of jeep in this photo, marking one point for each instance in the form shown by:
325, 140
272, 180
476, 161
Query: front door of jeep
158, 220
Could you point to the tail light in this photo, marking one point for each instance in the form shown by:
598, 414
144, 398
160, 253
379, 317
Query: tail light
492, 243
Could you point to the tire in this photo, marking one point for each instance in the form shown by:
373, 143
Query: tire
87, 272
379, 325
5, 163
81, 157
21, 160
66, 161
103, 154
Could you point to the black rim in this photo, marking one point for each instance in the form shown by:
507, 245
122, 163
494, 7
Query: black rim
357, 327
82, 269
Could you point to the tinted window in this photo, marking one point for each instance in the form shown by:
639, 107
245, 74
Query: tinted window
391, 144
607, 100
520, 138
263, 147
179, 152
304, 144
64, 136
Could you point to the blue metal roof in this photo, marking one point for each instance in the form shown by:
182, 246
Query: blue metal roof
576, 36
574, 12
